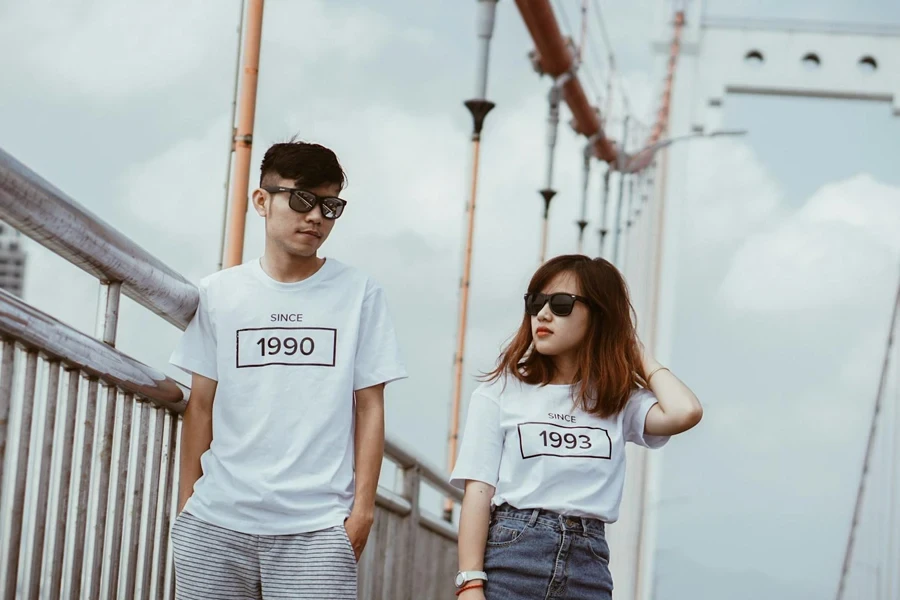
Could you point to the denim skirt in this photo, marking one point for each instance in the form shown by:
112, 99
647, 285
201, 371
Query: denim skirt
534, 554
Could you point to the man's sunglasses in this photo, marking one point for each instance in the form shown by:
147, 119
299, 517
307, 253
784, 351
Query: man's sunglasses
561, 304
304, 201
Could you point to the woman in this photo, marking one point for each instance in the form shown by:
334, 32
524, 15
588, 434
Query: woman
543, 457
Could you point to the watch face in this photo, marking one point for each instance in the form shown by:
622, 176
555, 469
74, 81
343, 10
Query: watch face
459, 579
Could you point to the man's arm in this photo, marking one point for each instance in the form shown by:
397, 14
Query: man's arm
369, 451
196, 434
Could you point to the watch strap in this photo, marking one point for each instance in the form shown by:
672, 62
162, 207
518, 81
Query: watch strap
464, 577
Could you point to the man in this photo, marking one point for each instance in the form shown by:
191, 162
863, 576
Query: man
284, 432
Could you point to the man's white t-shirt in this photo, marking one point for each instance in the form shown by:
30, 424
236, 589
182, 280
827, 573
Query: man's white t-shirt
287, 358
539, 450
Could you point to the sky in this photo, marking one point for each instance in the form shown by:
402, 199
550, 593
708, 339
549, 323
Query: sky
789, 240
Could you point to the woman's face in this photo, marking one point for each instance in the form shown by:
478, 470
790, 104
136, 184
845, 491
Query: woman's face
554, 335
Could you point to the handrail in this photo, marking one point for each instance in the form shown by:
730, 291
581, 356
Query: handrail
41, 332
406, 460
42, 212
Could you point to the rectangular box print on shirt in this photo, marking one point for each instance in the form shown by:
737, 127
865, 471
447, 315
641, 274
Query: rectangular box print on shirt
288, 346
549, 439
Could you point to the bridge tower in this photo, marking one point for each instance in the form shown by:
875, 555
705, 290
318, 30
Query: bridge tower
722, 56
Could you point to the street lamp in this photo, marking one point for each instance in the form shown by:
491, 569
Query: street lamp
640, 159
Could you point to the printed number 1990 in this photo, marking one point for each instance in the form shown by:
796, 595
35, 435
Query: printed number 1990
290, 346
286, 346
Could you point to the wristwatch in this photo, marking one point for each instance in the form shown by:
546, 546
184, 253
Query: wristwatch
464, 577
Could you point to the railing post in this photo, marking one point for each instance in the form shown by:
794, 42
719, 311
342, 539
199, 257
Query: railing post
411, 484
20, 455
119, 501
169, 492
107, 326
44, 476
60, 517
7, 371
84, 486
136, 490
152, 494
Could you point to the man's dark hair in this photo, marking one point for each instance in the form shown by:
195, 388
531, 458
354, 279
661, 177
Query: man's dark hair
309, 165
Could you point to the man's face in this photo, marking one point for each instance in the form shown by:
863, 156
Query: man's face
298, 234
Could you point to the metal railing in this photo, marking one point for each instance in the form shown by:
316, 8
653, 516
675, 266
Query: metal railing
89, 437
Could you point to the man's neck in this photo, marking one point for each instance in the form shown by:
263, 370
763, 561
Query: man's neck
290, 269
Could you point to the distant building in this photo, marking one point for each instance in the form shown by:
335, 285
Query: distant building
12, 260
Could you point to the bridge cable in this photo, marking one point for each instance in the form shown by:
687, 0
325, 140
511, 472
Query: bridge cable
848, 554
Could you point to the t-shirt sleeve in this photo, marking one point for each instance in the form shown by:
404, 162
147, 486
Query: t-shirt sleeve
482, 445
636, 411
196, 349
378, 357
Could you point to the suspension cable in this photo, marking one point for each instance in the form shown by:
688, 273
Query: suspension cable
857, 509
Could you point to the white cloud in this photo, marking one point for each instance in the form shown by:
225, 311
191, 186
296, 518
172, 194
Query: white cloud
731, 192
860, 202
841, 248
110, 50
400, 176
311, 32
176, 200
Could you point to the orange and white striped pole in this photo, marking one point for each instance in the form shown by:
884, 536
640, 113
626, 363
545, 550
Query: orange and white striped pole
478, 107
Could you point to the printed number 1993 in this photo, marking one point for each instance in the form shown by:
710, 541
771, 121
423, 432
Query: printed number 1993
550, 439
556, 440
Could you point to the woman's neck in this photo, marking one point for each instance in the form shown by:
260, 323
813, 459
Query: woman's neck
565, 369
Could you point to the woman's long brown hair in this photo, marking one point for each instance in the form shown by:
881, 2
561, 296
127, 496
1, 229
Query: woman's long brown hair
609, 363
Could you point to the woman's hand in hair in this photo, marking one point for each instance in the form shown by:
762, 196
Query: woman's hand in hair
647, 361
677, 408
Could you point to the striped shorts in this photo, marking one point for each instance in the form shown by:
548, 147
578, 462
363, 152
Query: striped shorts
212, 562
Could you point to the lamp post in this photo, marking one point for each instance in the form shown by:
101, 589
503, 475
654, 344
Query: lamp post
479, 107
604, 205
637, 162
647, 152
620, 166
547, 193
582, 222
243, 139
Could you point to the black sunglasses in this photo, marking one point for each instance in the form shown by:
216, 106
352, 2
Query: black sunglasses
304, 201
561, 304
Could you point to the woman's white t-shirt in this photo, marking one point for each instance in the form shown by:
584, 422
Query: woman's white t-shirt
539, 450
287, 358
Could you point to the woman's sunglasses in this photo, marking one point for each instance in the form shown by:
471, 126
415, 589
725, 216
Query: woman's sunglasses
561, 304
303, 201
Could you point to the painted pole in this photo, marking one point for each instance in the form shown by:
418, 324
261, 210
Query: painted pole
243, 140
478, 107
